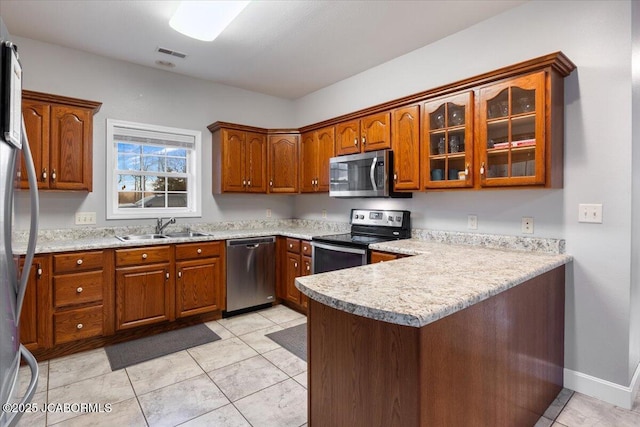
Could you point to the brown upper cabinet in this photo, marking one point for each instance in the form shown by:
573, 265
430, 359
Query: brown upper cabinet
514, 146
283, 160
447, 148
369, 133
60, 132
405, 141
316, 149
239, 161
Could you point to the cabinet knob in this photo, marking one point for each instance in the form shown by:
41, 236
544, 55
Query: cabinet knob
395, 177
308, 267
145, 256
199, 251
39, 270
79, 326
466, 170
44, 174
79, 262
295, 264
355, 142
482, 169
179, 275
79, 290
244, 183
290, 245
364, 140
249, 183
271, 183
53, 175
167, 276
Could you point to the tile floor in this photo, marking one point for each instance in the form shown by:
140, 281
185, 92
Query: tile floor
244, 379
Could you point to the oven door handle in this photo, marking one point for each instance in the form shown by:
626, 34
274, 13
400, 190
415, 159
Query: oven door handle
339, 248
372, 173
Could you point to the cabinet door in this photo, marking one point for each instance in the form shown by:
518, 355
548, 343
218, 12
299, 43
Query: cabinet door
143, 295
198, 286
234, 177
406, 148
326, 150
35, 318
382, 256
308, 162
511, 135
37, 118
306, 270
375, 132
256, 162
294, 270
71, 157
283, 163
447, 142
348, 137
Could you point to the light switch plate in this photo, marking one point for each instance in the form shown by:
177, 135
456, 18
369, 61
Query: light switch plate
268, 213
85, 218
590, 212
472, 222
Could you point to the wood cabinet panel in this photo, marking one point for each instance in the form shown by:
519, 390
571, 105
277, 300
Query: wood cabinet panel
256, 162
283, 159
72, 325
293, 245
37, 119
305, 248
198, 250
198, 286
308, 162
316, 149
142, 256
294, 269
78, 261
144, 295
382, 256
375, 132
77, 288
233, 161
348, 137
406, 148
35, 318
60, 132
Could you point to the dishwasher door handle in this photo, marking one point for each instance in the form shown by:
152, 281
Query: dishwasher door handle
255, 245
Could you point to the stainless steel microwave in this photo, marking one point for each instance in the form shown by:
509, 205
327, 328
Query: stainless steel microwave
363, 175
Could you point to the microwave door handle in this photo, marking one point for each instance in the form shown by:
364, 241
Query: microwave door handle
372, 174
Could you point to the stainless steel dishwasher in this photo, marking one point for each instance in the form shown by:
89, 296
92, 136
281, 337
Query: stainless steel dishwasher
251, 272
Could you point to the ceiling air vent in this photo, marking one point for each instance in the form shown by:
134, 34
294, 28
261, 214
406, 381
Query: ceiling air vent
172, 52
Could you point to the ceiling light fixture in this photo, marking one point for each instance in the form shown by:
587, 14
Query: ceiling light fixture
205, 20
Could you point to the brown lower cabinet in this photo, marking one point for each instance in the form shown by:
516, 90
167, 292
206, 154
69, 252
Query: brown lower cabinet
35, 324
294, 257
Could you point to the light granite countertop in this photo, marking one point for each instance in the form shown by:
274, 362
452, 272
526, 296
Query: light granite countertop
439, 280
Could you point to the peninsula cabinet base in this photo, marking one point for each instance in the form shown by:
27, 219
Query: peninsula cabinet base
496, 363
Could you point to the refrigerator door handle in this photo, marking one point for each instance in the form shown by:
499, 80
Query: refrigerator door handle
33, 227
31, 389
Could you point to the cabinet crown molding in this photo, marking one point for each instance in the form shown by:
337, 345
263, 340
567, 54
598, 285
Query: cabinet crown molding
94, 106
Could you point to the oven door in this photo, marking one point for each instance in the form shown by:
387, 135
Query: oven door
327, 257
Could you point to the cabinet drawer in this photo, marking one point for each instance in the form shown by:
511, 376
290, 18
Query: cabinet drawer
78, 261
143, 256
306, 248
293, 245
77, 324
77, 288
198, 250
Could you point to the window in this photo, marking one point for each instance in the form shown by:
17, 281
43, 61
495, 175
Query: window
152, 171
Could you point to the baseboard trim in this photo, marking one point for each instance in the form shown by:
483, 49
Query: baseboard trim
613, 393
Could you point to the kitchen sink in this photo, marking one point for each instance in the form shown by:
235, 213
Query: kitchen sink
131, 237
186, 234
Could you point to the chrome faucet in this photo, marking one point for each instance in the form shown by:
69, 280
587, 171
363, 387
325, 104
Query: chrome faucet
160, 226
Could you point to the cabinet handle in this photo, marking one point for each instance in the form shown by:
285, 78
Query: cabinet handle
79, 262
482, 169
271, 183
308, 267
355, 142
39, 271
395, 177
244, 183
466, 170
44, 174
53, 175
249, 183
199, 251
179, 274
167, 276
364, 140
79, 290
295, 264
79, 326
144, 256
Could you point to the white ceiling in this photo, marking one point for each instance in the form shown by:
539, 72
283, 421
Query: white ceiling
283, 48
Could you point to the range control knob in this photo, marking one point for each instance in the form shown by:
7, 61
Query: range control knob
398, 218
390, 218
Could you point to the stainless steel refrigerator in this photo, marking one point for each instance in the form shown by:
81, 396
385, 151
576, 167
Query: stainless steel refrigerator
13, 145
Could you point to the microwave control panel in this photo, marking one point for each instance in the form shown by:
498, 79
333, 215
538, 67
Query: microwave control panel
379, 217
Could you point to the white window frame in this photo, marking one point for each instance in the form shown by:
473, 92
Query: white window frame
194, 172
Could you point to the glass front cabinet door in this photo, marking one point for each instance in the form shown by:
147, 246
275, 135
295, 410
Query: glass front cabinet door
511, 132
447, 142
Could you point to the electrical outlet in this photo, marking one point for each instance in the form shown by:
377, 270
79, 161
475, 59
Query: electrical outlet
268, 213
590, 213
324, 213
527, 225
85, 218
472, 222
